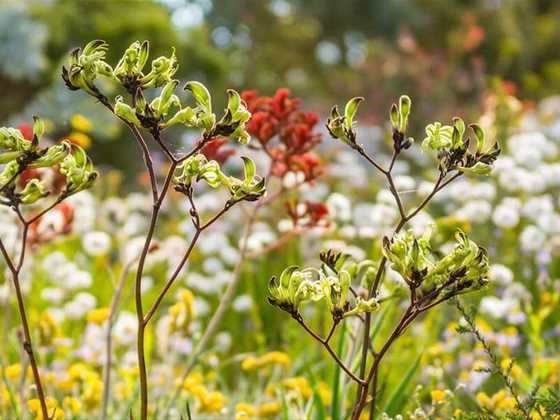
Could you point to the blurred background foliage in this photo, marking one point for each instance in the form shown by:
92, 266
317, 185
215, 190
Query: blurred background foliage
446, 54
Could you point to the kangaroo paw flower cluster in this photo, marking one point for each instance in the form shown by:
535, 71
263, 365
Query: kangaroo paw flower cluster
165, 110
295, 287
19, 154
463, 270
197, 168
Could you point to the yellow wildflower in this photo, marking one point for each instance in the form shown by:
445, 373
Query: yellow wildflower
13, 371
438, 396
514, 370
250, 363
269, 409
300, 385
92, 393
275, 357
123, 390
182, 313
34, 405
244, 411
81, 139
47, 329
484, 400
73, 405
324, 393
81, 123
212, 402
98, 316
192, 380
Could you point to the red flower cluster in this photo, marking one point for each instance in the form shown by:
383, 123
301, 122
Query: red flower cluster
279, 117
213, 150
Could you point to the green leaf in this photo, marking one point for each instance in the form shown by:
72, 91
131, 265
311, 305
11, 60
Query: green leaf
350, 111
285, 406
337, 400
404, 111
379, 322
234, 100
394, 114
479, 133
317, 401
398, 399
201, 95
38, 128
249, 167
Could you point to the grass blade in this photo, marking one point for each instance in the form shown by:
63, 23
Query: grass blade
398, 398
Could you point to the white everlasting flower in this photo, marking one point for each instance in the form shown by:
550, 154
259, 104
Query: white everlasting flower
549, 223
285, 225
133, 248
242, 303
385, 196
292, 179
476, 211
4, 292
53, 260
535, 207
115, 209
96, 243
532, 238
421, 224
138, 202
223, 341
339, 206
125, 328
147, 284
497, 307
484, 191
210, 244
212, 265
348, 231
505, 216
500, 274
53, 295
425, 188
135, 225
80, 305
229, 255
404, 183
257, 240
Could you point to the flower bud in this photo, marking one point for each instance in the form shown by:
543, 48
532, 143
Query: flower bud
33, 191
53, 156
9, 173
438, 136
163, 69
404, 111
126, 112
